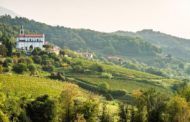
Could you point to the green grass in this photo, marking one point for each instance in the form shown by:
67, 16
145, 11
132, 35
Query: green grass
115, 69
127, 84
22, 85
129, 72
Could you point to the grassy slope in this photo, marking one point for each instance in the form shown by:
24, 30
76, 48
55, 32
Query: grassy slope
19, 85
116, 84
115, 69
126, 78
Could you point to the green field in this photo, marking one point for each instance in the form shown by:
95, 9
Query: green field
118, 70
27, 86
128, 85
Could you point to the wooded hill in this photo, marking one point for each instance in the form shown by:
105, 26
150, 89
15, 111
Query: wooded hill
80, 39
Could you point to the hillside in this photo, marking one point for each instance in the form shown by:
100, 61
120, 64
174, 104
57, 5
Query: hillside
101, 43
27, 86
135, 51
170, 45
47, 87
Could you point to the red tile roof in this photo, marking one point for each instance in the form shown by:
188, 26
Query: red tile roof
30, 35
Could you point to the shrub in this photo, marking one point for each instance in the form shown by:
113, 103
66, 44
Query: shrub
32, 69
1, 69
66, 60
104, 86
37, 59
41, 110
7, 62
47, 62
155, 71
62, 52
1, 61
6, 69
25, 60
21, 60
57, 64
106, 75
18, 54
28, 61
118, 93
36, 51
19, 68
48, 68
3, 117
3, 50
54, 57
58, 75
45, 57
78, 69
97, 68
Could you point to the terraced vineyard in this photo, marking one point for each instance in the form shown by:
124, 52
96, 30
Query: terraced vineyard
19, 85
129, 85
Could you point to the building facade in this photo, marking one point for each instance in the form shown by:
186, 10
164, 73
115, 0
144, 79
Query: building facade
29, 41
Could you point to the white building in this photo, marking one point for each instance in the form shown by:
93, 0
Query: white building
29, 41
87, 55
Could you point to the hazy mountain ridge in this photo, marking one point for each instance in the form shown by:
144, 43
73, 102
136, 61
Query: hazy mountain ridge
4, 11
175, 46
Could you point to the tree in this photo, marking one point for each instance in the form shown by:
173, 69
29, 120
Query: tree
1, 34
19, 68
9, 43
183, 89
91, 109
32, 69
78, 69
25, 60
58, 75
97, 68
3, 50
62, 52
104, 86
37, 59
3, 117
110, 112
106, 75
151, 106
1, 69
36, 51
178, 109
48, 47
123, 112
7, 62
48, 68
41, 110
66, 101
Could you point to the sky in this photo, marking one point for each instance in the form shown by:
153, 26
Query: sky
168, 16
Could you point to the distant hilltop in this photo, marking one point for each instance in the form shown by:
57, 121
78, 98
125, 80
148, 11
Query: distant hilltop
5, 11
